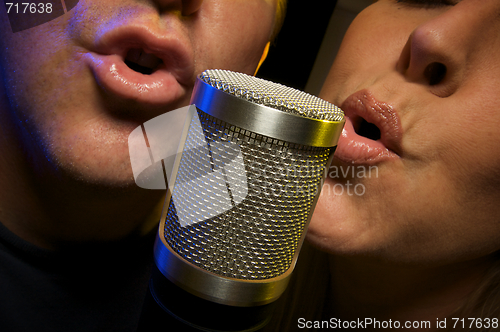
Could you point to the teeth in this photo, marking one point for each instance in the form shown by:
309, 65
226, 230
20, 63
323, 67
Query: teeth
141, 58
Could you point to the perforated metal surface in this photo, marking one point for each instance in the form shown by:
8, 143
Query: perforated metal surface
271, 94
257, 237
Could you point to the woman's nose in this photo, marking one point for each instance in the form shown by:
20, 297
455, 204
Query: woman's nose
438, 51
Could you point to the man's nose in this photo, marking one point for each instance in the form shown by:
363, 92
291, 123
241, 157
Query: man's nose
186, 7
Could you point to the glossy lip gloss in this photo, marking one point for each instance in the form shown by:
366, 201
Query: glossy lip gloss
356, 149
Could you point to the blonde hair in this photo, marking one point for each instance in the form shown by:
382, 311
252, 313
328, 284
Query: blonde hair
280, 18
484, 302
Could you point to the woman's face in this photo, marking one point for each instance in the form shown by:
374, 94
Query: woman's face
424, 185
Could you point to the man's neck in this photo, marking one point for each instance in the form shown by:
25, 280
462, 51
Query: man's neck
52, 209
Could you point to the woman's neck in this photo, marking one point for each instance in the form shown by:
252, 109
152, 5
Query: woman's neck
363, 289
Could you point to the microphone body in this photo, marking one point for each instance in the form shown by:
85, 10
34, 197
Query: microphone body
240, 196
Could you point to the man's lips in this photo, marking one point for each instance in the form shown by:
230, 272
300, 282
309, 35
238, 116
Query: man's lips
112, 74
168, 79
357, 149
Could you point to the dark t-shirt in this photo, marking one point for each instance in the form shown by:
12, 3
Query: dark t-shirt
85, 288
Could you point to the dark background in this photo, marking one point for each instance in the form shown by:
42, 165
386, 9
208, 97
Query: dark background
292, 55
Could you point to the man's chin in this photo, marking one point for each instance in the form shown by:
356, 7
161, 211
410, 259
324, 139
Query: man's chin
90, 176
104, 180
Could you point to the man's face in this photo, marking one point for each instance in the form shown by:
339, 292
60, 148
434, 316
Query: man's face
78, 85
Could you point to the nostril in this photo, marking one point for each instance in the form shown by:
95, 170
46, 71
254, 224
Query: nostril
435, 73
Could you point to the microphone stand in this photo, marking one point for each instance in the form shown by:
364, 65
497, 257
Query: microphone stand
170, 308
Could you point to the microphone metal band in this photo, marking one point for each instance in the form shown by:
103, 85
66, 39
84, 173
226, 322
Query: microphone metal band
212, 287
265, 120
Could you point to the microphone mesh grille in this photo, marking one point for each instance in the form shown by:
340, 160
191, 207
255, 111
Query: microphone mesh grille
272, 94
257, 237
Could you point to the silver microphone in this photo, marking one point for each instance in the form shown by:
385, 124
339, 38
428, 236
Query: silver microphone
243, 188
